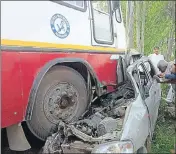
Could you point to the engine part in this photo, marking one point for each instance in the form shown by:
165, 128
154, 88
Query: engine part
124, 91
119, 111
53, 142
107, 125
89, 126
85, 128
94, 120
77, 147
97, 118
100, 123
87, 138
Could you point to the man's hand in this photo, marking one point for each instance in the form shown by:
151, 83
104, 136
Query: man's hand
161, 75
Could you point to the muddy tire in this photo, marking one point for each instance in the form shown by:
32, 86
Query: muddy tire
62, 95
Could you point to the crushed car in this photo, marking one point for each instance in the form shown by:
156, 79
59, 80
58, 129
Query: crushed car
121, 121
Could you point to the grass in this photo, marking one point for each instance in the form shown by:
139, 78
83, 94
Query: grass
164, 138
165, 132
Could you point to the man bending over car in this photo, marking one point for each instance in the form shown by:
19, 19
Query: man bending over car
168, 73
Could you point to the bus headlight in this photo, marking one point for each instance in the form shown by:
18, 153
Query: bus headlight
114, 147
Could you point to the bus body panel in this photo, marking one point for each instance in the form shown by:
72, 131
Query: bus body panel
11, 86
26, 31
20, 22
21, 67
28, 21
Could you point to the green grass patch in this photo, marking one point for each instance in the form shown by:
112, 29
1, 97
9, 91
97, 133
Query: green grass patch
165, 132
164, 137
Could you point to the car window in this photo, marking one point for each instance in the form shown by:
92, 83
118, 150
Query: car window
147, 65
142, 76
145, 82
149, 69
136, 78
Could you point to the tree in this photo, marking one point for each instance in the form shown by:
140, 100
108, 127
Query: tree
138, 25
130, 23
143, 26
154, 25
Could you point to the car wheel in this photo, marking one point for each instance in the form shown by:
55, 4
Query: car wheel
62, 95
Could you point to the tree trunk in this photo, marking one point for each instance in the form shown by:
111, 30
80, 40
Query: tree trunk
131, 24
138, 26
129, 27
170, 44
127, 17
143, 26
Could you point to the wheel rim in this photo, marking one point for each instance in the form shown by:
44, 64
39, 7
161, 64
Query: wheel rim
60, 102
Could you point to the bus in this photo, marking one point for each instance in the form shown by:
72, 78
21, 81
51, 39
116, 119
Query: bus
56, 57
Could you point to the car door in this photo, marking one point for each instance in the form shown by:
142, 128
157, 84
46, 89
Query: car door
137, 121
147, 91
156, 91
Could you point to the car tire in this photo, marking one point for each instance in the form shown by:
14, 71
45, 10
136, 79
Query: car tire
62, 91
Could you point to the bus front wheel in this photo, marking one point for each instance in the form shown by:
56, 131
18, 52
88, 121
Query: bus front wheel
62, 95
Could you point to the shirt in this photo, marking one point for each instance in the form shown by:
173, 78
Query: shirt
155, 59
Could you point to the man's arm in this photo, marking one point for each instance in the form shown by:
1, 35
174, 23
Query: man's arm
170, 76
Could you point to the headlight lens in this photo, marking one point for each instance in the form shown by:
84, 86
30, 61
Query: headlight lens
114, 147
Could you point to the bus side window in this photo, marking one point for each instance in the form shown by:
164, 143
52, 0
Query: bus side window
102, 22
76, 5
79, 4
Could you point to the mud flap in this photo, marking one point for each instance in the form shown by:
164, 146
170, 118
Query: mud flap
121, 70
16, 138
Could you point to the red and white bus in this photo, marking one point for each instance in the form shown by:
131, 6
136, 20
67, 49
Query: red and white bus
53, 54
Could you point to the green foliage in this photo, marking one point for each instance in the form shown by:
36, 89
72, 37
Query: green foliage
123, 8
164, 138
159, 21
157, 26
164, 135
101, 6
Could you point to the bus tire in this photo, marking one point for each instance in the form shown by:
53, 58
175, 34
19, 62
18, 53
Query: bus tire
62, 95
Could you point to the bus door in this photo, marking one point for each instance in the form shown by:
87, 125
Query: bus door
107, 26
102, 28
